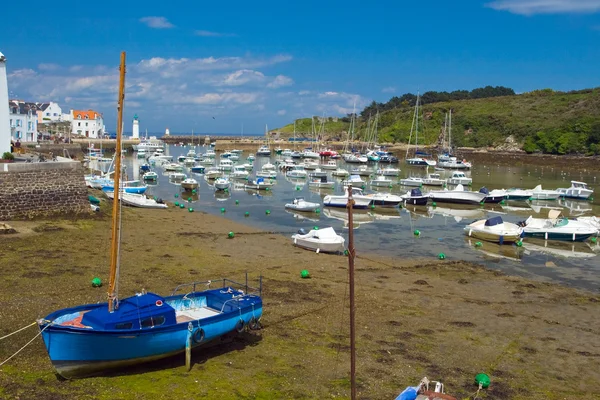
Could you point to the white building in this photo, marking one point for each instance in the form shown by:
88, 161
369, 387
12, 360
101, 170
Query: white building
87, 123
49, 112
4, 118
23, 121
136, 128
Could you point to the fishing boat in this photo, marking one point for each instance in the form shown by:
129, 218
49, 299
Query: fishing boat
321, 183
518, 194
258, 184
458, 196
557, 227
296, 171
330, 165
360, 200
494, 230
434, 180
150, 176
459, 178
93, 338
212, 173
354, 180
189, 184
320, 240
381, 181
415, 197
384, 199
317, 173
412, 181
137, 200
299, 204
239, 172
542, 194
388, 171
578, 190
222, 183
340, 172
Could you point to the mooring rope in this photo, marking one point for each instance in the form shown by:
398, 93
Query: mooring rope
26, 344
19, 330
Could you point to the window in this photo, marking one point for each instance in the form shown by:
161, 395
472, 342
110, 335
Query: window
79, 124
47, 114
153, 321
86, 124
79, 116
86, 117
124, 325
56, 114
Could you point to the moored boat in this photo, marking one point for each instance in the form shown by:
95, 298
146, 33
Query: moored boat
137, 200
578, 190
557, 227
542, 194
320, 240
299, 204
494, 230
415, 197
189, 184
458, 195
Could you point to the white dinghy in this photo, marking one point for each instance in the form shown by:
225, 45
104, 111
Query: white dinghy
320, 240
137, 200
299, 204
494, 230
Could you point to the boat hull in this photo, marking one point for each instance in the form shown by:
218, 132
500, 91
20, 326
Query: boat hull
417, 201
562, 236
493, 237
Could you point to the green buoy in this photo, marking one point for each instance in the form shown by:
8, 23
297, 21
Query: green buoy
478, 244
519, 243
194, 191
190, 199
417, 232
304, 274
315, 228
190, 209
176, 204
96, 282
237, 202
502, 202
230, 235
372, 206
593, 240
482, 380
181, 205
176, 195
267, 189
441, 256
226, 190
434, 204
318, 210
246, 214
268, 212
222, 209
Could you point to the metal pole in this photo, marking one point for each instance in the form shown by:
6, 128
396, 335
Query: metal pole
351, 254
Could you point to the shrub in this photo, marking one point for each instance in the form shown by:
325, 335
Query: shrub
8, 156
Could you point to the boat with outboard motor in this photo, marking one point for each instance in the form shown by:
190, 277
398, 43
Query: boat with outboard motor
300, 204
557, 227
457, 195
578, 190
360, 200
415, 197
384, 199
494, 230
320, 240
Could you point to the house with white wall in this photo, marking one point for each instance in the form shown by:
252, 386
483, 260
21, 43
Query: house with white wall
49, 112
23, 121
87, 123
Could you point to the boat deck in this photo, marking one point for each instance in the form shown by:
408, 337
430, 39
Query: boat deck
194, 314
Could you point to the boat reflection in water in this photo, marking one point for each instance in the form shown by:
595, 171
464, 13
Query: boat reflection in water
304, 216
494, 251
359, 217
559, 249
542, 206
576, 208
259, 193
385, 214
458, 212
417, 212
221, 195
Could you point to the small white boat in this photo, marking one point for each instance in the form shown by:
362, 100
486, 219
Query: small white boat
317, 173
494, 230
578, 190
286, 152
258, 184
212, 173
299, 204
308, 164
263, 151
385, 199
389, 171
360, 200
320, 240
459, 196
225, 164
310, 154
173, 167
330, 165
189, 184
150, 176
248, 166
434, 180
518, 194
557, 227
177, 177
250, 158
321, 183
361, 171
268, 173
239, 172
541, 194
459, 178
381, 181
221, 183
415, 198
412, 181
354, 180
137, 200
340, 172
189, 161
297, 171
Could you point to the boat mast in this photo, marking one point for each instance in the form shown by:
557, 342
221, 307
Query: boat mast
450, 132
417, 127
114, 256
351, 255
412, 126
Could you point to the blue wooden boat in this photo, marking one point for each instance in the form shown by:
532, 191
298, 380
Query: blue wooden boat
90, 339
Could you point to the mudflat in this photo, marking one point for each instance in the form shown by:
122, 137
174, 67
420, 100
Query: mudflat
444, 319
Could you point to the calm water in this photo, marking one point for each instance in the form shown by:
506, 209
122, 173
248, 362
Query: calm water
390, 232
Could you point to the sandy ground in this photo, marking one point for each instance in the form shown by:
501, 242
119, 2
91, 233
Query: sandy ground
446, 320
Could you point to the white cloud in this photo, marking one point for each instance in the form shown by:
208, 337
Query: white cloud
48, 67
213, 34
388, 89
242, 77
303, 92
279, 81
281, 112
531, 7
157, 22
76, 68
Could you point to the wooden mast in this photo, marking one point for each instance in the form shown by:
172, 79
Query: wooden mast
351, 254
114, 256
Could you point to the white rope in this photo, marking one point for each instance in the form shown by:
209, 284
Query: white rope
26, 344
17, 331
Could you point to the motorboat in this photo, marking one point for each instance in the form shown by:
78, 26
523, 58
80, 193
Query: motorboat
189, 184
250, 157
177, 177
263, 151
212, 173
494, 230
434, 180
226, 154
518, 194
210, 154
299, 204
415, 197
296, 154
320, 240
234, 157
267, 173
330, 165
360, 200
380, 181
459, 178
225, 164
150, 176
198, 169
340, 172
258, 184
385, 199
578, 190
137, 200
248, 166
451, 162
173, 167
189, 161
458, 195
239, 172
421, 162
221, 183
310, 154
236, 152
317, 173
286, 152
297, 171
542, 194
388, 158
388, 171
412, 181
494, 196
206, 161
354, 180
355, 159
128, 187
557, 227
321, 183
308, 164
361, 171
148, 146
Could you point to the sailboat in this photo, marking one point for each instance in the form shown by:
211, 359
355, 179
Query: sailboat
417, 160
90, 339
265, 150
446, 159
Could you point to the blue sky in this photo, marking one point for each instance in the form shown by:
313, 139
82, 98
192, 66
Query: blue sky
213, 66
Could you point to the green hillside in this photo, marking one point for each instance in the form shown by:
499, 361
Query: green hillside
539, 121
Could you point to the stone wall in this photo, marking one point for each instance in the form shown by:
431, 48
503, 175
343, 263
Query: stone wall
42, 190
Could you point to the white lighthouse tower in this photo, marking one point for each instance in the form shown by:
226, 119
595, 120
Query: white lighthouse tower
136, 128
4, 121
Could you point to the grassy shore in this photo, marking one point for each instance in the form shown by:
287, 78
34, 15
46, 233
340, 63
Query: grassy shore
446, 320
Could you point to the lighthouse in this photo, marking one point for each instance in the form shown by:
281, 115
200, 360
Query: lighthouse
4, 121
136, 128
